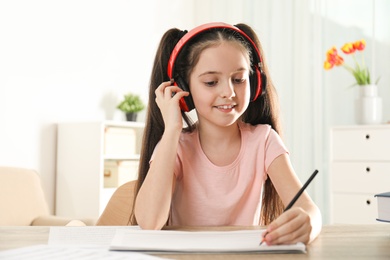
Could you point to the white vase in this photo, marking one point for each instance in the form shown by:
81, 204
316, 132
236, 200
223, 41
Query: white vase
368, 105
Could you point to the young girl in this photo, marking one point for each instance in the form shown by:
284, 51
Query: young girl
230, 167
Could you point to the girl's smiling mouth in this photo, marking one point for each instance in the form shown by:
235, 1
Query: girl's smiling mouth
225, 107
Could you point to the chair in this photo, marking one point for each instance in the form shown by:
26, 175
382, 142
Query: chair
22, 201
118, 211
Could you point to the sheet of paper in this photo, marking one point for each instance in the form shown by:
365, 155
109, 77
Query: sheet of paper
84, 236
47, 252
197, 241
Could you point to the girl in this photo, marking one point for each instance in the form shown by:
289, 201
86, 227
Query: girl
230, 167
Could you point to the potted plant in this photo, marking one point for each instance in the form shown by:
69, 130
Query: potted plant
131, 105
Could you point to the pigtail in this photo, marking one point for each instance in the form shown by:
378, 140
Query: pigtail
265, 110
154, 125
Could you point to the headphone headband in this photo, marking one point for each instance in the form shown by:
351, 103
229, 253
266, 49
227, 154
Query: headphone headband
205, 27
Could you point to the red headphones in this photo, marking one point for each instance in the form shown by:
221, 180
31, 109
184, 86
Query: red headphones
257, 79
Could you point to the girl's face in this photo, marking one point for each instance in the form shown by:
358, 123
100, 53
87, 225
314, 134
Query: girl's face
219, 84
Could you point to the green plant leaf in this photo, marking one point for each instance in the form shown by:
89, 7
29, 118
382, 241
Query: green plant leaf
131, 104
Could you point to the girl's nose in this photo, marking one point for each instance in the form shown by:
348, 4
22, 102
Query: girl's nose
227, 90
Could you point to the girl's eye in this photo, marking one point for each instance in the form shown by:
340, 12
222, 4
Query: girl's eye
238, 80
211, 83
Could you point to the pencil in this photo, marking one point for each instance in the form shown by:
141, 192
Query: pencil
296, 197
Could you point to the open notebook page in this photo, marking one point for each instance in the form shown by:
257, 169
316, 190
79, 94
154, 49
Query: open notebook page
197, 241
85, 236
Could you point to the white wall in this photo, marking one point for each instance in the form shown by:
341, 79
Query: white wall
71, 60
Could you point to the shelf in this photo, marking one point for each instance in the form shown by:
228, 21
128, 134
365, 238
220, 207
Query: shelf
81, 163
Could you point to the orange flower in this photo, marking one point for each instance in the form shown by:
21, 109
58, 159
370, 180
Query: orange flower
332, 59
348, 48
360, 71
328, 65
360, 45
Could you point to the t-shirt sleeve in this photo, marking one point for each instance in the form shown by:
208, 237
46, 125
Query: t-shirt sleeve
274, 147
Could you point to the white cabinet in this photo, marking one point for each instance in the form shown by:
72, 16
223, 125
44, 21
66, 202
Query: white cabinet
359, 169
86, 151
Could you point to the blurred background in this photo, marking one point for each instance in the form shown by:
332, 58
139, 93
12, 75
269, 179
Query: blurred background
73, 60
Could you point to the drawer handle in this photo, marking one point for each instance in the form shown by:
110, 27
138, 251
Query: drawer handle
368, 169
107, 173
368, 202
367, 136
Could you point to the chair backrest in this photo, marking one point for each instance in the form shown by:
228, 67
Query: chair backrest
119, 208
21, 197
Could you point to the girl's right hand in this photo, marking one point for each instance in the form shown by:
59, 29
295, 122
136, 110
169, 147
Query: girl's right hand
167, 99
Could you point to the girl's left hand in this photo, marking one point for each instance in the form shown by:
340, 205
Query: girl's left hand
291, 227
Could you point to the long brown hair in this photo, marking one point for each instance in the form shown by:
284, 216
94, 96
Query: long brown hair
264, 110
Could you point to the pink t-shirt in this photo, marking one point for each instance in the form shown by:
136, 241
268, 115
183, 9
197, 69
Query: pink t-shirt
210, 195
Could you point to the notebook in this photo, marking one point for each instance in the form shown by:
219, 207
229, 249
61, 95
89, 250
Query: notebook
197, 242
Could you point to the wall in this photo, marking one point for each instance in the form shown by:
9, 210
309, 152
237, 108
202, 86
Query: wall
70, 61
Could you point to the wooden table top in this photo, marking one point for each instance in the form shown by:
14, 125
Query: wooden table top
334, 242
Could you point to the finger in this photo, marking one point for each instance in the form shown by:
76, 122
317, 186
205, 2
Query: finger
280, 224
165, 94
179, 94
171, 91
285, 217
167, 91
302, 234
291, 231
160, 89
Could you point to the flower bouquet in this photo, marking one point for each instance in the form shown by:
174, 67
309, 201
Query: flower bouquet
359, 71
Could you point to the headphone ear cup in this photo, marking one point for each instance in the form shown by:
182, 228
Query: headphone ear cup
263, 83
257, 81
253, 81
186, 103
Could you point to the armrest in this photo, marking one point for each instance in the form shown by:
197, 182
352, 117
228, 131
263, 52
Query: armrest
51, 220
